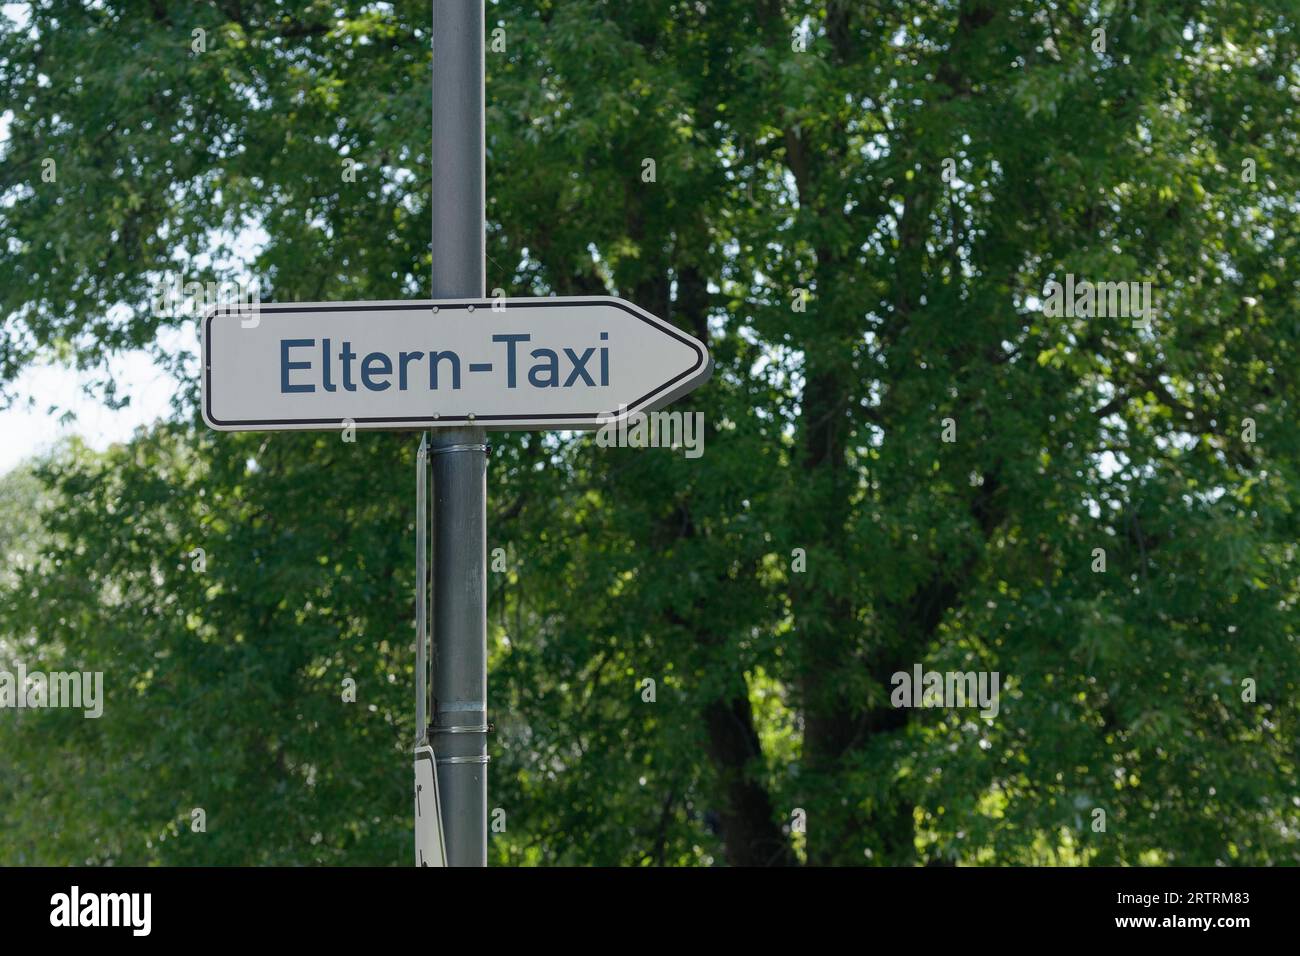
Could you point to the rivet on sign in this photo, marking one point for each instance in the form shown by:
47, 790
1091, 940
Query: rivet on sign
471, 308
435, 310
471, 416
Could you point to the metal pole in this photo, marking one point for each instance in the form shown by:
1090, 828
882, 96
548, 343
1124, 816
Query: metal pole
459, 732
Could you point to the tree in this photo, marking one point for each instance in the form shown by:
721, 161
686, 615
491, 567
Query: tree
860, 208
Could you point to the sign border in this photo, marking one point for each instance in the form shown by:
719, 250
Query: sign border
425, 752
661, 395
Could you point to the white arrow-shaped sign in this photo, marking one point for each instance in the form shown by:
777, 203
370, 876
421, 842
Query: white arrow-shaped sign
554, 363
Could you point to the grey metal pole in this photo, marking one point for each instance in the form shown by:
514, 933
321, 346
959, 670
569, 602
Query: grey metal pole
459, 455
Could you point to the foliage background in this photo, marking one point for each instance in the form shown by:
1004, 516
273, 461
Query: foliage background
777, 170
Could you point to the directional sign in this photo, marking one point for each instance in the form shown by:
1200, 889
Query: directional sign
554, 363
430, 849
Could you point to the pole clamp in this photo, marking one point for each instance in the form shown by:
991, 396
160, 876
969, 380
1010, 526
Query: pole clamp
486, 449
480, 758
462, 729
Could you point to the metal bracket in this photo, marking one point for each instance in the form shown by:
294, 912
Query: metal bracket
485, 448
463, 729
481, 758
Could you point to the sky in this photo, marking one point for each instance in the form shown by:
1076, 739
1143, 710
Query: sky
29, 428
27, 431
